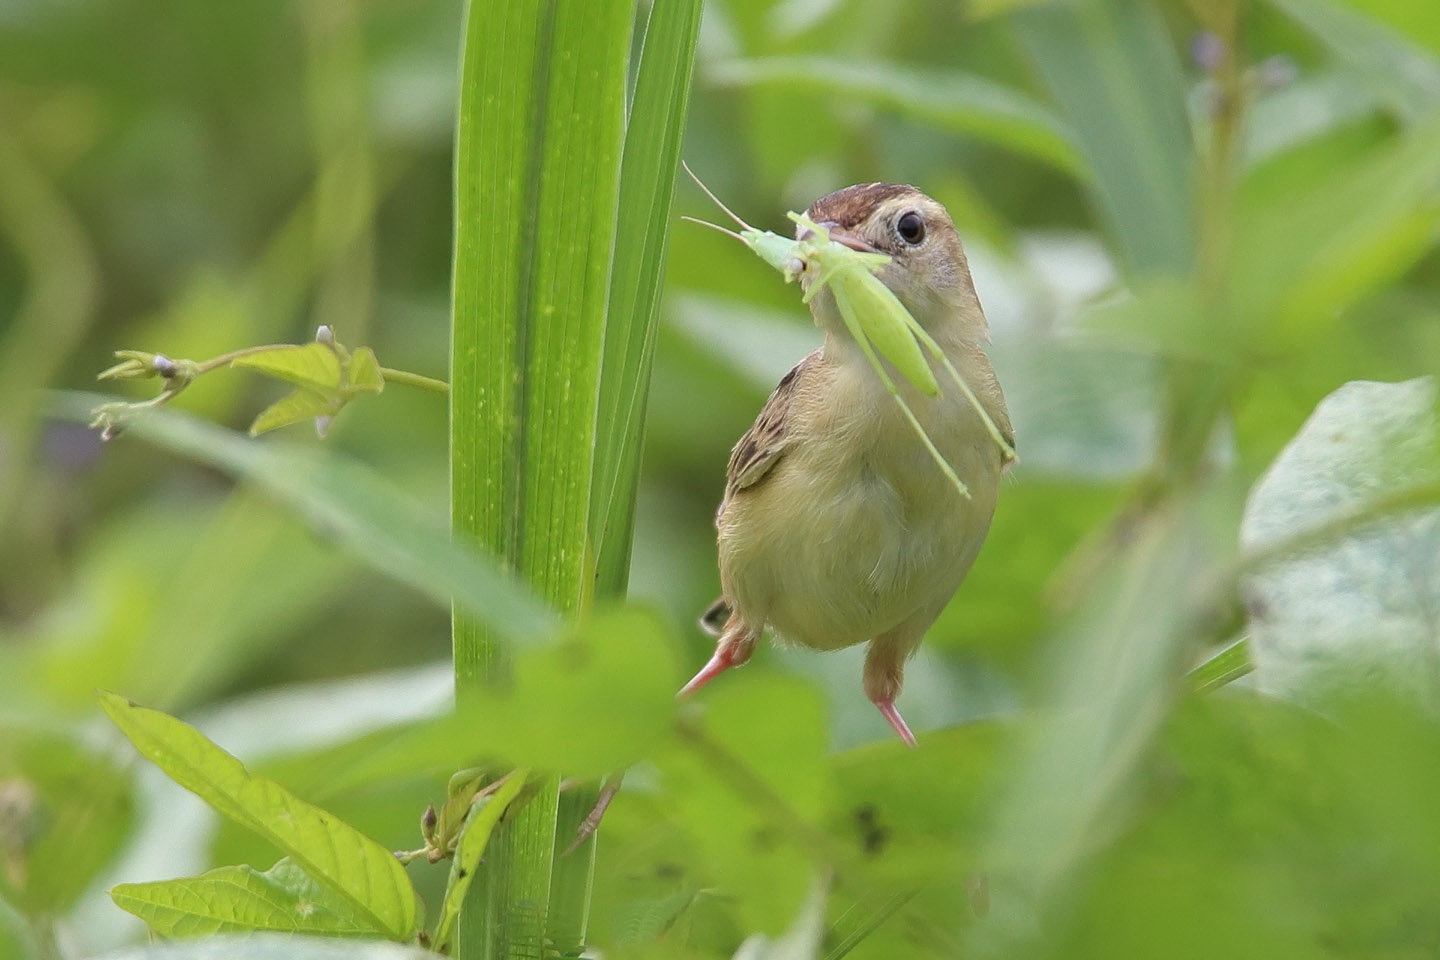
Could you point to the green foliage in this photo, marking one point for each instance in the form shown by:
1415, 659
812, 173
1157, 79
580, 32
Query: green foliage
1192, 226
348, 865
326, 377
548, 392
270, 947
241, 900
64, 811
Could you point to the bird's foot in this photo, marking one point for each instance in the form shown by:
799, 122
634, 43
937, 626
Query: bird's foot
888, 710
591, 823
726, 656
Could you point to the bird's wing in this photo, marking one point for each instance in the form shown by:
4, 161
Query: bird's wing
767, 440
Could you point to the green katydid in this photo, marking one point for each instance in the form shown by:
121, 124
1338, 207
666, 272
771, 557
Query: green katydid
875, 317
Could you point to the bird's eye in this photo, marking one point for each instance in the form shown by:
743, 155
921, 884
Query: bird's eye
911, 227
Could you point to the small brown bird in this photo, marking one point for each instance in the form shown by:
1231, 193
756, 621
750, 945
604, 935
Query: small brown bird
836, 526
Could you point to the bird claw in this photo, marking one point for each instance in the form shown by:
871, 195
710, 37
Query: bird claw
889, 712
723, 660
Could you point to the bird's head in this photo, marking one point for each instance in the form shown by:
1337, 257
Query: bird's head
928, 270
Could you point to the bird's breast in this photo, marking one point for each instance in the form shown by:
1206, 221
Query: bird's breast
857, 528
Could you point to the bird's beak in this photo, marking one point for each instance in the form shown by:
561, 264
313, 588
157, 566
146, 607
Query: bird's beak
843, 237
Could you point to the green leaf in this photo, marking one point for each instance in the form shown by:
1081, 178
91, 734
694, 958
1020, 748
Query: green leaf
344, 861
1112, 71
1419, 22
589, 704
964, 103
350, 503
1298, 261
1303, 111
748, 788
1231, 663
474, 837
801, 942
1113, 683
642, 232
1404, 77
240, 899
364, 372
1360, 609
313, 366
270, 946
296, 407
538, 144
64, 812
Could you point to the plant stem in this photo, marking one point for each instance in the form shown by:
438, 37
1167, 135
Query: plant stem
392, 375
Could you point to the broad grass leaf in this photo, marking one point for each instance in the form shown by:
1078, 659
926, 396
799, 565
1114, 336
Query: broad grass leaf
648, 166
347, 501
965, 103
344, 861
240, 899
1111, 69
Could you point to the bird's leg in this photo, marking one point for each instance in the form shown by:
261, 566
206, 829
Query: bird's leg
885, 675
608, 789
736, 643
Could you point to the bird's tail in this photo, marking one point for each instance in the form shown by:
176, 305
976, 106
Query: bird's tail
712, 621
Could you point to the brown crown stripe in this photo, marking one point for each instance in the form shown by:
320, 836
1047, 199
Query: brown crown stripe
850, 206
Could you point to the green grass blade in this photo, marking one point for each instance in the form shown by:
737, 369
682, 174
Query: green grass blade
537, 166
647, 189
350, 503
1112, 72
479, 825
1231, 663
964, 103
344, 861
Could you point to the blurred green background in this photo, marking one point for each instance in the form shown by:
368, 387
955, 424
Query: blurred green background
1185, 220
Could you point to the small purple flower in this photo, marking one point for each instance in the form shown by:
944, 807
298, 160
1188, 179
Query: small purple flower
1207, 50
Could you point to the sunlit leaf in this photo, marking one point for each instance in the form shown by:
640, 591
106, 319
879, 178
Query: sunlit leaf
298, 406
240, 899
313, 366
474, 837
364, 372
272, 946
348, 864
